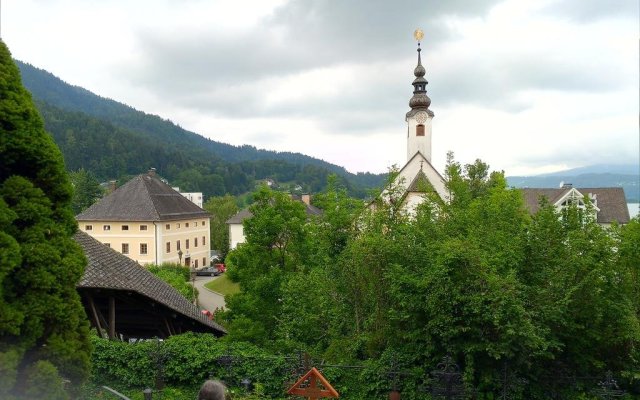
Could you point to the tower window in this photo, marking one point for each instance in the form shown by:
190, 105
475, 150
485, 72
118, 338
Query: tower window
420, 130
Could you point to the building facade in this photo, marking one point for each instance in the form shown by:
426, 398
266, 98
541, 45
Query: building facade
150, 223
606, 205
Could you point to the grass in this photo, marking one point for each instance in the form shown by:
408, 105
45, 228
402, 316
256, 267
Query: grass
223, 285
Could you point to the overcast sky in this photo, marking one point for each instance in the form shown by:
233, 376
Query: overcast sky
528, 86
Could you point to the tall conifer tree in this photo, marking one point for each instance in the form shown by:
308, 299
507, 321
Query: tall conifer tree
43, 327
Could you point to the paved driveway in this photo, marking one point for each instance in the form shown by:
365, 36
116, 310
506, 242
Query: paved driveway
206, 298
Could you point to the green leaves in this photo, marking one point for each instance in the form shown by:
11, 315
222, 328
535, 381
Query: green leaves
42, 321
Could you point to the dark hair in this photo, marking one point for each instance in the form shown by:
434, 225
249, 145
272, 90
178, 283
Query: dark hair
213, 390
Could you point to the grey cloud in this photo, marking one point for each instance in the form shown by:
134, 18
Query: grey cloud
317, 33
589, 10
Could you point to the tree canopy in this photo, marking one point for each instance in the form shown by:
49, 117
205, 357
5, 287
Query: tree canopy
43, 328
521, 303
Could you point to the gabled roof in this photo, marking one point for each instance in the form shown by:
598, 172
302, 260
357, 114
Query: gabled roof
245, 213
420, 184
109, 270
143, 198
424, 163
611, 201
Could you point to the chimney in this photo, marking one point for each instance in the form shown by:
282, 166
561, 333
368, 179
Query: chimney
112, 186
306, 198
152, 172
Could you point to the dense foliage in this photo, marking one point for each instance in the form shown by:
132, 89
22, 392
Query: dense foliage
184, 361
176, 275
43, 327
221, 209
86, 190
522, 304
111, 139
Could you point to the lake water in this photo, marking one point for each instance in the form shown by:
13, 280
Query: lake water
633, 209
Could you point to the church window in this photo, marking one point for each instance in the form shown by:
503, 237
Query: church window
420, 130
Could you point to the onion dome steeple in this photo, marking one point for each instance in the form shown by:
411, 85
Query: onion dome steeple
419, 100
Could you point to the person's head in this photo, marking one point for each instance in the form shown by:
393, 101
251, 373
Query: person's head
213, 390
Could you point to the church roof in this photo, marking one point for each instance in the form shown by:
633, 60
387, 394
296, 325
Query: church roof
611, 201
108, 270
420, 184
143, 198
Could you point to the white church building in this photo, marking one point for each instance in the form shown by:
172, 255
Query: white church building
418, 176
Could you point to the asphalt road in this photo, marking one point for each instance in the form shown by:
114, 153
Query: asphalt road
206, 298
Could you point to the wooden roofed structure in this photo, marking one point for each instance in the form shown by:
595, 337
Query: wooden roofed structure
126, 301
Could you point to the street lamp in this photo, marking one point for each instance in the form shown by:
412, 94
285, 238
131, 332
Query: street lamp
193, 283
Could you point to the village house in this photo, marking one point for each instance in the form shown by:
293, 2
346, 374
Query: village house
608, 205
236, 230
151, 223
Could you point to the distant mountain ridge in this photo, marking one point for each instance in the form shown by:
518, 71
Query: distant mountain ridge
59, 100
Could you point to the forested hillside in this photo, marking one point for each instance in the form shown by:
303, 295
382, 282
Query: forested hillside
112, 140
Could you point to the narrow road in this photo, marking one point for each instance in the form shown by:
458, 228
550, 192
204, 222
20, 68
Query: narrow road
206, 298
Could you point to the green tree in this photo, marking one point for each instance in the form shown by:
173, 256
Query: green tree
176, 275
275, 247
86, 190
43, 327
221, 209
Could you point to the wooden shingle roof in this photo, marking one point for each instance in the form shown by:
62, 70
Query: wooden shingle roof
108, 270
143, 198
611, 201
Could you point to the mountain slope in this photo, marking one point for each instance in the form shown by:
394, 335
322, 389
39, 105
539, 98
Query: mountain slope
51, 90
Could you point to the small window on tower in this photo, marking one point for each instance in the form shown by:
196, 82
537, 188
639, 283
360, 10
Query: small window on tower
420, 130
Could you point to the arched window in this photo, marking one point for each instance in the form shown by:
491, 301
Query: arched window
420, 130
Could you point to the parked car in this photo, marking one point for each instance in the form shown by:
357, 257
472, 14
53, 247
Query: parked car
208, 271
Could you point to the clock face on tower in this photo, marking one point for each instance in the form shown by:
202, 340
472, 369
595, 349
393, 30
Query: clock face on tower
421, 117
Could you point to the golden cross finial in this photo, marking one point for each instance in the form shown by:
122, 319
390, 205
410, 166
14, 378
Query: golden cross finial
418, 35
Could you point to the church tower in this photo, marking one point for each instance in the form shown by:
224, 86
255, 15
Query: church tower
419, 117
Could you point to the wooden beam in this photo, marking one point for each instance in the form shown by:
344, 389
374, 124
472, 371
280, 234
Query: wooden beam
166, 324
112, 318
94, 313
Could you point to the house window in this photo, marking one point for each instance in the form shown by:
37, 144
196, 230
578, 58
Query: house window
177, 245
167, 226
125, 227
204, 223
195, 242
178, 225
143, 227
203, 243
186, 224
88, 227
106, 227
186, 243
125, 248
168, 247
420, 130
143, 248
204, 261
195, 223
196, 263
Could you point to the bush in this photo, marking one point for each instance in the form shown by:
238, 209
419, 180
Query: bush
177, 276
